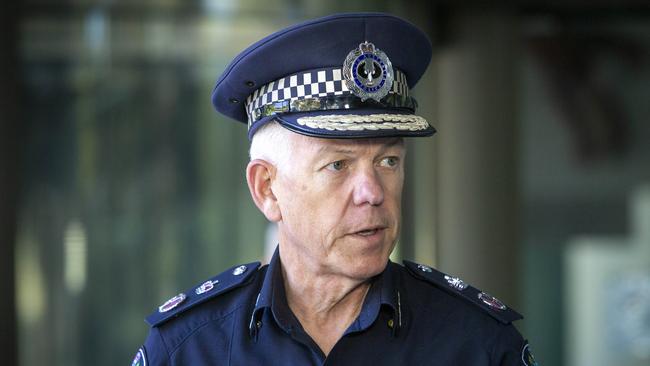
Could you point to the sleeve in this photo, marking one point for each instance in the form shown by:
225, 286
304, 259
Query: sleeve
510, 349
153, 352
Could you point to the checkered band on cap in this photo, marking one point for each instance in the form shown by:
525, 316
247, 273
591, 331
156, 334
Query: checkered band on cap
310, 84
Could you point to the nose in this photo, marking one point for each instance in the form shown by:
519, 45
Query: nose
368, 188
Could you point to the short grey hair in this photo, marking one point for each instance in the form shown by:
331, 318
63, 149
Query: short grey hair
272, 143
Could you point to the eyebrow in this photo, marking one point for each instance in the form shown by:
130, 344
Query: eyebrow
333, 149
395, 141
343, 150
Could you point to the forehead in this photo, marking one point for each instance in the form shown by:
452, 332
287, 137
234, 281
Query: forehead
306, 144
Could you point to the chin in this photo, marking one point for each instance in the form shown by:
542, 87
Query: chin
366, 267
362, 258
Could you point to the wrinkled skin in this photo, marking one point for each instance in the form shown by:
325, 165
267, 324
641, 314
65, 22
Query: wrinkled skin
339, 203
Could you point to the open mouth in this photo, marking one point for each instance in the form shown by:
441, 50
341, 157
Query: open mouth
369, 232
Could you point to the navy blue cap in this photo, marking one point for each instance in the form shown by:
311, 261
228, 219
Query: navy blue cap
341, 76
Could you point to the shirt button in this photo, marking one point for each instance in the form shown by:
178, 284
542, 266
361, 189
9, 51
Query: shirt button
258, 324
391, 323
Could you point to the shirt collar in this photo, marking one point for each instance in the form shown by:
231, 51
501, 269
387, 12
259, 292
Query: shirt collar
272, 297
382, 295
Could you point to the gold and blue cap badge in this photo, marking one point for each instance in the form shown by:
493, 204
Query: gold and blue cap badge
341, 76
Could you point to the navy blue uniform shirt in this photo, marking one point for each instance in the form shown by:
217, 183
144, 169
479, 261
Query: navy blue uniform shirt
412, 315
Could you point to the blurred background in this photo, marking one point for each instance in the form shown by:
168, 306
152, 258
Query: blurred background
120, 186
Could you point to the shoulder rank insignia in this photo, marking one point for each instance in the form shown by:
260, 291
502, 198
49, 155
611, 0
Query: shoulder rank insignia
458, 287
224, 282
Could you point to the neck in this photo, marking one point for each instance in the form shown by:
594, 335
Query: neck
324, 303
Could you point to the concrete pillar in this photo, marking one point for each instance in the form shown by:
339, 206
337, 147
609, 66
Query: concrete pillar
419, 231
477, 191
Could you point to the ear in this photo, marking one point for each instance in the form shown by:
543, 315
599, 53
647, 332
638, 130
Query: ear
259, 175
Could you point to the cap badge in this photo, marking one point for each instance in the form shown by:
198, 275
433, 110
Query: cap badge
491, 301
456, 283
172, 303
368, 72
205, 287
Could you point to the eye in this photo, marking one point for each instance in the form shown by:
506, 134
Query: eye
389, 161
336, 166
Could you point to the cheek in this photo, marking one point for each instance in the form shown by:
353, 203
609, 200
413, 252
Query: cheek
312, 212
393, 186
298, 204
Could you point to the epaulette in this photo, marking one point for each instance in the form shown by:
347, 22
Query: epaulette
457, 287
232, 278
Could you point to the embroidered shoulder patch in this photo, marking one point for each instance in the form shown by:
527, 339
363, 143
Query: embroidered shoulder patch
140, 358
230, 279
527, 357
458, 287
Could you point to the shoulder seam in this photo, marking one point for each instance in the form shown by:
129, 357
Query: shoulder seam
165, 346
202, 325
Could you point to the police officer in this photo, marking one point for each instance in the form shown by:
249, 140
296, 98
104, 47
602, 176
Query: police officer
327, 106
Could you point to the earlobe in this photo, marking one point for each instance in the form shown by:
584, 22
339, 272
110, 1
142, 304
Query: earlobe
259, 175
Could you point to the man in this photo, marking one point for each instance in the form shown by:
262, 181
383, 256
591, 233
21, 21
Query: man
327, 106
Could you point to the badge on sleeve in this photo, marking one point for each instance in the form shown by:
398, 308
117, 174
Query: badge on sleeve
140, 358
527, 357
